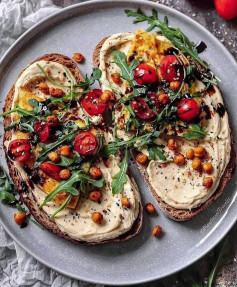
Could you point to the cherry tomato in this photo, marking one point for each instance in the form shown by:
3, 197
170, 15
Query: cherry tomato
93, 103
154, 99
141, 109
171, 69
19, 150
145, 75
42, 129
85, 143
226, 8
188, 109
51, 170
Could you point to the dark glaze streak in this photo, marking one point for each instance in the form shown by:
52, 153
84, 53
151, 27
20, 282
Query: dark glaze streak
201, 47
220, 109
207, 111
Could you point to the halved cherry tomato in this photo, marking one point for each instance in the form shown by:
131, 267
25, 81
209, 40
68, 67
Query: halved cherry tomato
141, 109
145, 75
188, 109
42, 129
226, 8
154, 99
19, 150
51, 170
171, 69
93, 103
85, 143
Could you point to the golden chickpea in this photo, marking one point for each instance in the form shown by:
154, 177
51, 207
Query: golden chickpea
197, 164
116, 78
126, 202
44, 88
157, 230
207, 167
199, 151
95, 195
54, 157
121, 123
52, 121
190, 153
141, 158
65, 174
150, 208
175, 85
207, 182
97, 217
57, 93
163, 99
65, 150
107, 96
172, 144
95, 172
78, 57
19, 217
179, 159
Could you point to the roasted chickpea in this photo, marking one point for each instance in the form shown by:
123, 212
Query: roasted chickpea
97, 217
52, 121
57, 93
157, 231
121, 123
107, 96
207, 167
207, 182
65, 150
190, 153
95, 172
141, 158
116, 78
44, 88
175, 85
65, 174
150, 208
126, 202
19, 217
95, 195
163, 99
78, 57
54, 157
197, 164
172, 144
179, 159
199, 151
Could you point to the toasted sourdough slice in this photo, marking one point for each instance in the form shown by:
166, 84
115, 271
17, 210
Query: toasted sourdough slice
25, 188
172, 212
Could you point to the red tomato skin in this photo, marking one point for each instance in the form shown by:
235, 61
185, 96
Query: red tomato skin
154, 99
93, 104
52, 170
171, 69
19, 150
227, 9
145, 75
141, 109
188, 109
86, 143
42, 129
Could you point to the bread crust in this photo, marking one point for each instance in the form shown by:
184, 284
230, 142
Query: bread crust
169, 211
25, 188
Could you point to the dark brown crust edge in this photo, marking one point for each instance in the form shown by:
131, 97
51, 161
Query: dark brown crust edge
25, 189
174, 213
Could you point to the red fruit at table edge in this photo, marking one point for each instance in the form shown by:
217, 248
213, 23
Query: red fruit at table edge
93, 104
145, 75
86, 143
52, 170
227, 9
42, 129
19, 150
188, 109
141, 109
171, 69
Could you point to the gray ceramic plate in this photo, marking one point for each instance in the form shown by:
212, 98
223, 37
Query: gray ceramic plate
144, 258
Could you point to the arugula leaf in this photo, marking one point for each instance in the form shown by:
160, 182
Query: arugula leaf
153, 152
137, 91
148, 140
120, 178
175, 35
70, 96
95, 76
127, 69
7, 190
195, 132
62, 206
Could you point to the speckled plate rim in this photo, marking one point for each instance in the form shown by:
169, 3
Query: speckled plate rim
20, 42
